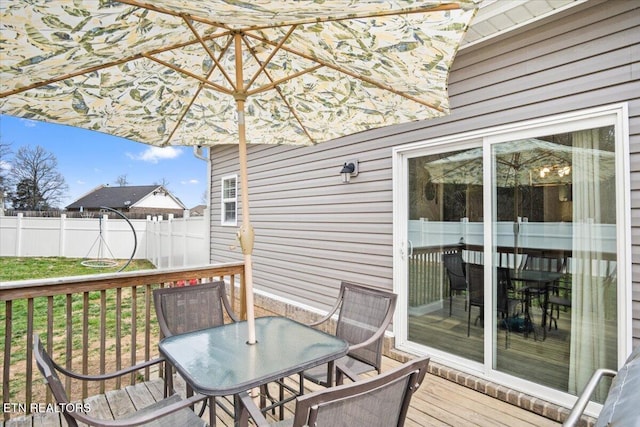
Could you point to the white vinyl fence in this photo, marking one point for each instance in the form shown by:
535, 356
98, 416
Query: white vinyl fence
172, 242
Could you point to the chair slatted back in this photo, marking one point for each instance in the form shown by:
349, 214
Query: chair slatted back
381, 401
475, 274
191, 308
455, 271
362, 313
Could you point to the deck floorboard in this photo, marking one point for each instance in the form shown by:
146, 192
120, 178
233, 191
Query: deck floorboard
438, 402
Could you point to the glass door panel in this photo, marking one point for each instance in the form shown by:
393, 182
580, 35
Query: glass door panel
554, 228
445, 234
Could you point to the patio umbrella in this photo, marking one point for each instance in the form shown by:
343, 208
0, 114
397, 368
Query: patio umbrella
177, 72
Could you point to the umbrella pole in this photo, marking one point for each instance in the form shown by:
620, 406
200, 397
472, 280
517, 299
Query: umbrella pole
245, 234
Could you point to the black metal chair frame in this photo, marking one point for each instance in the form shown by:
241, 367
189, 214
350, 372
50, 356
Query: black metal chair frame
454, 265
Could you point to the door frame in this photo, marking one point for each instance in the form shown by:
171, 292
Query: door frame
617, 115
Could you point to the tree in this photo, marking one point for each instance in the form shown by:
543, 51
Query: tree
122, 180
39, 184
27, 197
5, 167
165, 182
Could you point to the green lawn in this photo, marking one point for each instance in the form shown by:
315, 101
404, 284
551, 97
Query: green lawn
24, 268
44, 267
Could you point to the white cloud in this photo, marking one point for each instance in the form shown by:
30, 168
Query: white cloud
190, 182
155, 154
5, 165
80, 182
29, 123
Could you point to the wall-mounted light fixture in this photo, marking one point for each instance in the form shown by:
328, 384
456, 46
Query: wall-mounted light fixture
349, 169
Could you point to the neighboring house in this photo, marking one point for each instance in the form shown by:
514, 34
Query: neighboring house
571, 79
134, 199
197, 210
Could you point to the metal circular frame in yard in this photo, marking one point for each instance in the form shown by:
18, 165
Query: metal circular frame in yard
107, 263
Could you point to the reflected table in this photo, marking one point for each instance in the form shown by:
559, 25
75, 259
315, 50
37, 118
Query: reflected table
219, 362
536, 282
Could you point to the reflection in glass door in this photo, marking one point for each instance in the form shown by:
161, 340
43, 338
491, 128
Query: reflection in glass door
554, 216
445, 234
553, 259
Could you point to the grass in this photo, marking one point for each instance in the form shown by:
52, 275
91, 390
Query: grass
43, 267
25, 268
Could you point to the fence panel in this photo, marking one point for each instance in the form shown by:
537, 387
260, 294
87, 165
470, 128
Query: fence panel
172, 242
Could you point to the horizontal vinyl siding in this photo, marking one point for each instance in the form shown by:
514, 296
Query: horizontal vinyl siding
312, 231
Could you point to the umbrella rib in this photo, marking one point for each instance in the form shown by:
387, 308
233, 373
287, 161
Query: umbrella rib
274, 85
96, 68
438, 8
202, 80
186, 110
209, 52
352, 74
271, 55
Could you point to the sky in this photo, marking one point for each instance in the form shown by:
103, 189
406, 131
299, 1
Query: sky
88, 159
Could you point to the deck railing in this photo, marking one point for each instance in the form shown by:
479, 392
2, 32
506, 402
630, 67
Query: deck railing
91, 324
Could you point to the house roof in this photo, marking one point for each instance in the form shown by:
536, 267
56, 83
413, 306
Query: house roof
497, 17
114, 197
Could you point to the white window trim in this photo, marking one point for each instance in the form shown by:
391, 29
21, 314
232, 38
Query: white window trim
616, 114
224, 200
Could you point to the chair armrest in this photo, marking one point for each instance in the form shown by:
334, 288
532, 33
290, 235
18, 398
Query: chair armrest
583, 400
248, 407
110, 375
174, 405
342, 370
371, 340
328, 316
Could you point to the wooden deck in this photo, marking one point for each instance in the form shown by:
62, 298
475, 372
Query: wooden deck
439, 402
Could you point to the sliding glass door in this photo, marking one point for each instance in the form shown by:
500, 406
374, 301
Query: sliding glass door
554, 222
445, 222
513, 250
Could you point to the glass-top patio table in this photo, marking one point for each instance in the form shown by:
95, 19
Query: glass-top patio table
219, 362
536, 282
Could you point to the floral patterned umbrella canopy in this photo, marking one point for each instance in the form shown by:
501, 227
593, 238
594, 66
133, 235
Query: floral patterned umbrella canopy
181, 72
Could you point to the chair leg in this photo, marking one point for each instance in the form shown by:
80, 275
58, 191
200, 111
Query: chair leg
506, 334
469, 322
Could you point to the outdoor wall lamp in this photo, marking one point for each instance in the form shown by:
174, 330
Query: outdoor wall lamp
349, 169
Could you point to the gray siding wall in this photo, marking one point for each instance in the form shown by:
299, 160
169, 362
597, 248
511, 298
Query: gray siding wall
312, 231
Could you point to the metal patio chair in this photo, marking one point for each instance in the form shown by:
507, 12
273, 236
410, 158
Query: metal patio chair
170, 411
380, 401
365, 314
475, 276
192, 308
457, 278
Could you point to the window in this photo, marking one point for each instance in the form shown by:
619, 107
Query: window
229, 202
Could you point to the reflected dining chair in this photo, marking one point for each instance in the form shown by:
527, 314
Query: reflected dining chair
454, 266
555, 294
506, 304
380, 401
170, 411
192, 308
364, 315
475, 277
